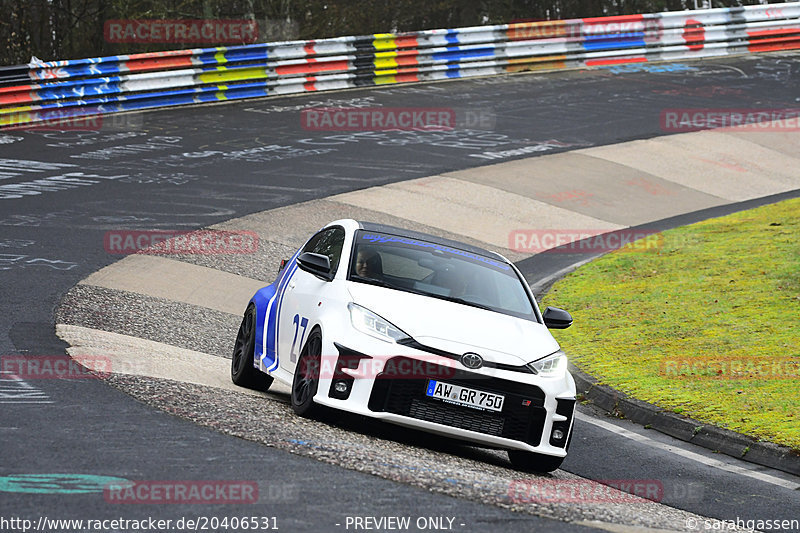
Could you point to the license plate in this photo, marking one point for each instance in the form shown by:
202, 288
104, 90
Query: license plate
459, 395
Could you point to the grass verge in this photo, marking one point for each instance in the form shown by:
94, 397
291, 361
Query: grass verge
706, 323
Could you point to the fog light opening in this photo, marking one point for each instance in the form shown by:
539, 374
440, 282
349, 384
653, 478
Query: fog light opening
341, 386
558, 435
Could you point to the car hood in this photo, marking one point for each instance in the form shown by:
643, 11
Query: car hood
458, 328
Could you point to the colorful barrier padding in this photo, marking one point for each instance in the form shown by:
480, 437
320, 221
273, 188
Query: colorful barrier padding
75, 88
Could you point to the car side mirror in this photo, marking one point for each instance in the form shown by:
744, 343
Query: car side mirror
317, 264
555, 318
282, 265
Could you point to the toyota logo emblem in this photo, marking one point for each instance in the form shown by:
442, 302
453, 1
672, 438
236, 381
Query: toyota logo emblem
472, 360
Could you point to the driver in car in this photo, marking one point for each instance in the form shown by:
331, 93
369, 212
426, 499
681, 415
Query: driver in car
369, 264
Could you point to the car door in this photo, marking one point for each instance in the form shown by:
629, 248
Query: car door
304, 291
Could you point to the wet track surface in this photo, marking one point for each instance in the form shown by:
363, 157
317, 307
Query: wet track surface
189, 168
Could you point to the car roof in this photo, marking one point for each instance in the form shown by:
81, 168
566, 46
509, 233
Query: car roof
410, 234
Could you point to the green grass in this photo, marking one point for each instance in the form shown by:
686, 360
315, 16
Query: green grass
707, 324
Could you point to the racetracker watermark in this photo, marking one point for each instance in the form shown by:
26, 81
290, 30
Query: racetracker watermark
583, 241
207, 31
378, 118
684, 120
182, 492
731, 368
29, 367
359, 366
582, 491
87, 119
162, 242
58, 122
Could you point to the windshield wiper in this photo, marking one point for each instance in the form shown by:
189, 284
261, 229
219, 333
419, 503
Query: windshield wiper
383, 283
386, 284
465, 302
373, 281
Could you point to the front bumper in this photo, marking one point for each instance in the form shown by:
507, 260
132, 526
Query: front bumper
534, 409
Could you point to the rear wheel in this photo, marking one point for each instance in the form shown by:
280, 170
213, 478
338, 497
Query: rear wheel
243, 373
306, 376
534, 462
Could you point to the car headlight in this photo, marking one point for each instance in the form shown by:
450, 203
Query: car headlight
368, 322
551, 366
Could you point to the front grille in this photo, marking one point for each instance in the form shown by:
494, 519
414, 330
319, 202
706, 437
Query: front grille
453, 415
522, 417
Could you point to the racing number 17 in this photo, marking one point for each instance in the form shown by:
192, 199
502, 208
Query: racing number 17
299, 322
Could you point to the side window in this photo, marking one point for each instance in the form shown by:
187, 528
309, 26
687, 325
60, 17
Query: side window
328, 242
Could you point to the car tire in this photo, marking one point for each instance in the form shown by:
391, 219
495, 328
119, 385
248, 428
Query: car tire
306, 377
243, 373
534, 462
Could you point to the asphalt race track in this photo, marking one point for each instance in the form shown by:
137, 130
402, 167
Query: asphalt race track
60, 192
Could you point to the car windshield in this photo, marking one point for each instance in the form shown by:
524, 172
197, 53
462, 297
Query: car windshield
438, 271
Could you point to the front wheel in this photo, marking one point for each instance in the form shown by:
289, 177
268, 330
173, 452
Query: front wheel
306, 377
534, 462
243, 373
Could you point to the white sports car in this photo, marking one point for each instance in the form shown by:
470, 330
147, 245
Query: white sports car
414, 330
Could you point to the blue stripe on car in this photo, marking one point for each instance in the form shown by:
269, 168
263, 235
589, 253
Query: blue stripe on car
268, 318
261, 300
275, 317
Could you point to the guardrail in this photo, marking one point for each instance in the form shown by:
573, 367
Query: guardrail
83, 87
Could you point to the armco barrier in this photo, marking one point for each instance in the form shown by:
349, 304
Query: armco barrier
14, 75
74, 88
